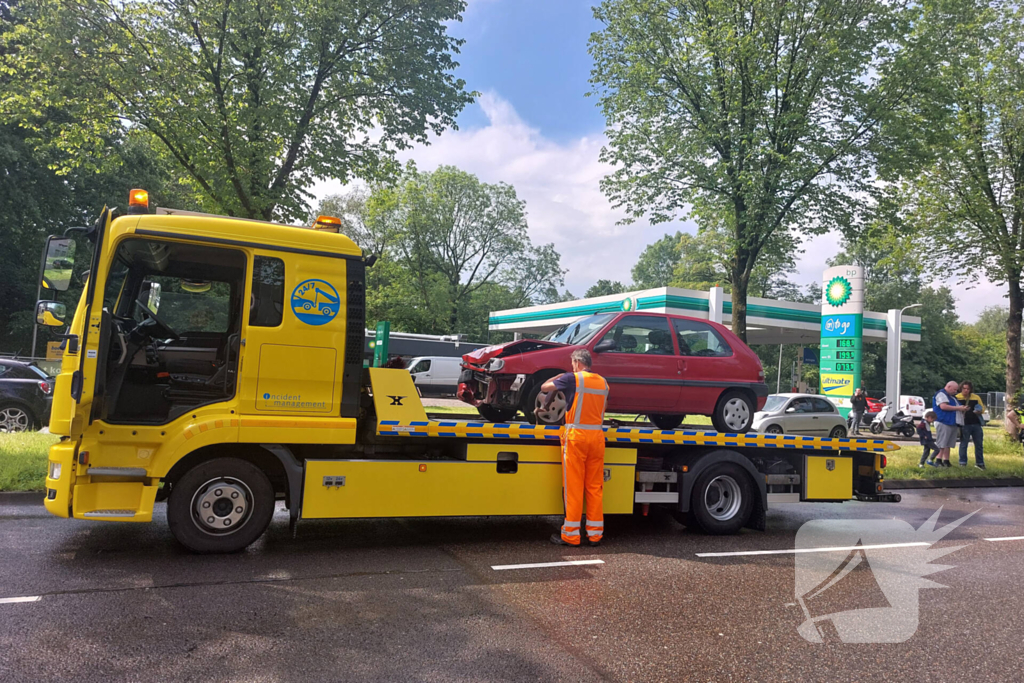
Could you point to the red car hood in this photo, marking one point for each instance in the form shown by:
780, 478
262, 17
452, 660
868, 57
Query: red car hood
481, 356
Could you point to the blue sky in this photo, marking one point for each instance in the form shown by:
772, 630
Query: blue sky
533, 52
534, 127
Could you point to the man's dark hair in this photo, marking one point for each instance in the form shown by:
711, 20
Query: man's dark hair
582, 356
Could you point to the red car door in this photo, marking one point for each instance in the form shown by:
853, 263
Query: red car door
637, 357
707, 363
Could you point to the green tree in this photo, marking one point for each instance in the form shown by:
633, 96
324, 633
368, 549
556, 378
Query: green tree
757, 116
449, 249
253, 100
657, 263
969, 201
705, 257
604, 288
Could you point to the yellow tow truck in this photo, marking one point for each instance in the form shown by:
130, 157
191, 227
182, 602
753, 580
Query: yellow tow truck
217, 363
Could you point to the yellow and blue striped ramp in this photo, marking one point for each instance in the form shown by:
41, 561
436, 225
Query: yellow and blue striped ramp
626, 435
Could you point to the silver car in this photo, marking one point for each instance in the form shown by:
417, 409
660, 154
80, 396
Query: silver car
799, 414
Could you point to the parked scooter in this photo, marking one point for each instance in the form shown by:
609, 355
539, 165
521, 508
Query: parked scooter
901, 424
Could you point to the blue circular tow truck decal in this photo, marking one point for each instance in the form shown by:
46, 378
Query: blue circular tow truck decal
315, 302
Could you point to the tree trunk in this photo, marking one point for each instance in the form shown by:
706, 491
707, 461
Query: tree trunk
740, 282
1013, 325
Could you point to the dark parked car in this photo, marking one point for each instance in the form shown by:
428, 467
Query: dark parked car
25, 396
662, 366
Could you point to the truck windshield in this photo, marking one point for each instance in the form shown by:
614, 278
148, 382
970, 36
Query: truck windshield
580, 331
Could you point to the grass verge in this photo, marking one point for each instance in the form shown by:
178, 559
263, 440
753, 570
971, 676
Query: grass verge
23, 460
1003, 458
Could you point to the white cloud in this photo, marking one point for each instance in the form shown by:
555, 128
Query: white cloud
560, 183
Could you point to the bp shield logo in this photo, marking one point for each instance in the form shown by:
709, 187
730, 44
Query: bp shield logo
838, 291
315, 302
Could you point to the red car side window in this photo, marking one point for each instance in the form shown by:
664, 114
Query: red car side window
641, 334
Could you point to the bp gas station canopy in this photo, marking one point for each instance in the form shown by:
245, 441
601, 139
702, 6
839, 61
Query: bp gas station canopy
769, 321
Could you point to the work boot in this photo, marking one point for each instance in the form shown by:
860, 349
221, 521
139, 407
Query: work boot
558, 540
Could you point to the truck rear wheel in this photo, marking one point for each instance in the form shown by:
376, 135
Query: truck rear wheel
722, 499
220, 506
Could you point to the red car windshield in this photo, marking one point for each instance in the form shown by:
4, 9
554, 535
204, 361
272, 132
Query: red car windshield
580, 331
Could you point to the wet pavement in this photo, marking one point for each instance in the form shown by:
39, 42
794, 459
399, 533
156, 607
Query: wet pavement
418, 600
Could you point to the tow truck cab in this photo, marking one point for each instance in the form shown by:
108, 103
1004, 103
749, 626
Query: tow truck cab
217, 363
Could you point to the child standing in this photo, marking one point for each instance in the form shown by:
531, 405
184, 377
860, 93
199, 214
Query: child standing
924, 435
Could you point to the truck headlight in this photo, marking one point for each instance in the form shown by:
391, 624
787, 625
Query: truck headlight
495, 364
54, 470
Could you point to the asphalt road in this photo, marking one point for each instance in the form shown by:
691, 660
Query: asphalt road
418, 600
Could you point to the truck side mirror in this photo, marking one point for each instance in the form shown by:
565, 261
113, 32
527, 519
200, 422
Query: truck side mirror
58, 263
605, 345
50, 313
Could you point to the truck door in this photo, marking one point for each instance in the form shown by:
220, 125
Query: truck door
293, 343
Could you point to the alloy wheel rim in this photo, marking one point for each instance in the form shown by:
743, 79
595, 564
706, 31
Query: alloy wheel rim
14, 420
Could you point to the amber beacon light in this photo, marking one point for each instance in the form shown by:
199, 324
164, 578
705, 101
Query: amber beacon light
138, 201
327, 224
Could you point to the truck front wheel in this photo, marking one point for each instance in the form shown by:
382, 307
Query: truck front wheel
220, 506
722, 499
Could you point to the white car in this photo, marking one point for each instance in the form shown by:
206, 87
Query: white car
799, 414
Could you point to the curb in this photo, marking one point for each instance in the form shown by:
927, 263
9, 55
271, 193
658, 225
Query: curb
897, 484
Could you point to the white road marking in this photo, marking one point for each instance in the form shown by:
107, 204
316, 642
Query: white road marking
1006, 538
541, 565
789, 551
27, 598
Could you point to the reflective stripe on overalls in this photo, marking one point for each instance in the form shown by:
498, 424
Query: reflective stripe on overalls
583, 458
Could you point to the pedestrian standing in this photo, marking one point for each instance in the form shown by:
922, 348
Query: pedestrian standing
972, 427
582, 448
924, 435
949, 416
859, 404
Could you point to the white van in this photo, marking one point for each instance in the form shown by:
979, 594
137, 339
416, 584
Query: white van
435, 375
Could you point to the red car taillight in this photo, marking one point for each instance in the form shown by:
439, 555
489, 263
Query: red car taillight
44, 387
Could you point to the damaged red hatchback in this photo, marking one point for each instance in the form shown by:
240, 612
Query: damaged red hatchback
662, 366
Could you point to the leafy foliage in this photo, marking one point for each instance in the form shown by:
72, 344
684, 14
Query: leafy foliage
757, 118
450, 250
968, 202
253, 100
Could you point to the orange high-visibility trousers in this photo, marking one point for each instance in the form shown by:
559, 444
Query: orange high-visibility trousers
583, 473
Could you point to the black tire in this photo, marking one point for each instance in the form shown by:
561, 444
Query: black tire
909, 432
531, 402
722, 499
666, 422
493, 414
876, 427
838, 432
217, 481
773, 429
16, 417
729, 413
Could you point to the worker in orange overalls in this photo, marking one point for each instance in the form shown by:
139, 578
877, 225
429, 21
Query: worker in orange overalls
586, 394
